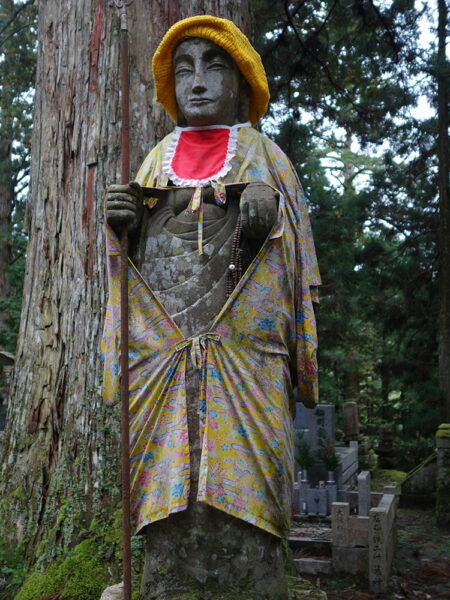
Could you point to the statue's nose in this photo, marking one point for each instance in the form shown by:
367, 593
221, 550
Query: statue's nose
198, 85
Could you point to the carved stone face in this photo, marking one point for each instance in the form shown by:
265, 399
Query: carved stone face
207, 84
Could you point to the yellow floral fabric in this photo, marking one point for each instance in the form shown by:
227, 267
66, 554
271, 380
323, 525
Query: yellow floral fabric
261, 344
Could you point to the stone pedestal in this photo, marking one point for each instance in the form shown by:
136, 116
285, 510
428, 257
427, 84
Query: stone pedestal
443, 475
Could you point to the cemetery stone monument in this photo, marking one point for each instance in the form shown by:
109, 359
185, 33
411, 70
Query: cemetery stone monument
350, 417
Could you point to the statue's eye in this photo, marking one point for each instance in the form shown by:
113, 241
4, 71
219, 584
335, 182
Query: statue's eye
217, 65
183, 70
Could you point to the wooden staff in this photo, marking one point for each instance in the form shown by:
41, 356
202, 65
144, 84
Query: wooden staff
124, 380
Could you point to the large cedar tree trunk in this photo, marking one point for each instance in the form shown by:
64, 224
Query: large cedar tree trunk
61, 445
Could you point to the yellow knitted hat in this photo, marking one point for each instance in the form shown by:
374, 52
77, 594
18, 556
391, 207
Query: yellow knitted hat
225, 34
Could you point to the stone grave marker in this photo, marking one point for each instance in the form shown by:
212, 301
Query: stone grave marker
350, 417
364, 493
321, 424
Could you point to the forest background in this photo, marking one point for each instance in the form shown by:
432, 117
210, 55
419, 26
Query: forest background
345, 78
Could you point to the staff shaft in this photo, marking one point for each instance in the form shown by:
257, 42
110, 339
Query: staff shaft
124, 382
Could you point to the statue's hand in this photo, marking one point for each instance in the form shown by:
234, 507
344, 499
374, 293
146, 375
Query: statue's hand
124, 206
259, 209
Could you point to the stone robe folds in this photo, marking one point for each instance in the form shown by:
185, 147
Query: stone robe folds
260, 345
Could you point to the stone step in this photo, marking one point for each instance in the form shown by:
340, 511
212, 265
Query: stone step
317, 546
313, 566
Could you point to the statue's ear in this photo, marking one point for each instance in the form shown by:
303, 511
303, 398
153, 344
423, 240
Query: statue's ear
244, 100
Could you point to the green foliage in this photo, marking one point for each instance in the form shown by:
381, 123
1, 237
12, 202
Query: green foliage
304, 456
17, 73
413, 451
12, 570
344, 79
327, 453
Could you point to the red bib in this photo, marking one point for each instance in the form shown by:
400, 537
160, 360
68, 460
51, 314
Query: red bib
197, 155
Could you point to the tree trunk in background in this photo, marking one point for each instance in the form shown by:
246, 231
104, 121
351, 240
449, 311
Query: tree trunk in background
6, 198
444, 210
61, 443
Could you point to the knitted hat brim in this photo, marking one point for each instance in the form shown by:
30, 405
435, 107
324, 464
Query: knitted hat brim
225, 34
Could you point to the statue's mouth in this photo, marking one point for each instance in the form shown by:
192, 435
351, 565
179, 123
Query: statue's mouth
200, 101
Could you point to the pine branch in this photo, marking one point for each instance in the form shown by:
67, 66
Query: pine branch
15, 15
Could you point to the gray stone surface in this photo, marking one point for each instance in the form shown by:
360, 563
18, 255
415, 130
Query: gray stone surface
313, 566
350, 416
378, 568
342, 493
331, 496
348, 467
420, 484
340, 514
364, 493
205, 550
443, 475
315, 422
321, 424
351, 560
303, 497
114, 592
317, 501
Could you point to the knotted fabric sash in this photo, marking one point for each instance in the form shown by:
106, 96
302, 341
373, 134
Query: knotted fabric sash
198, 346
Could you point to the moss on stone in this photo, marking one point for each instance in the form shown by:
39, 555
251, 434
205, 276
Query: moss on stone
79, 577
85, 571
389, 475
443, 431
301, 588
423, 464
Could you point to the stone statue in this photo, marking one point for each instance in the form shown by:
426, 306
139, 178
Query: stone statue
221, 325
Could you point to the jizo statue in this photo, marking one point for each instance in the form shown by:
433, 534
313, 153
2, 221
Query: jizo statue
222, 332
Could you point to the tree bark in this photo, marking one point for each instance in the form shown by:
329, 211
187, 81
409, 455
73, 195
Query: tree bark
443, 73
6, 199
61, 443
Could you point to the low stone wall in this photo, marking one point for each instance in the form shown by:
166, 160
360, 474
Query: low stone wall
443, 475
365, 545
